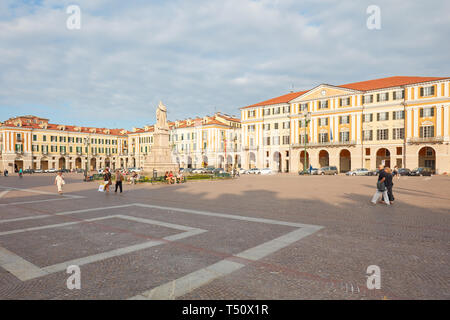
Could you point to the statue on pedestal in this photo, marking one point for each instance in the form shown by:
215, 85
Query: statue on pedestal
161, 118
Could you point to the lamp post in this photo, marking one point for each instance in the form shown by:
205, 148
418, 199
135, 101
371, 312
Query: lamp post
307, 119
87, 143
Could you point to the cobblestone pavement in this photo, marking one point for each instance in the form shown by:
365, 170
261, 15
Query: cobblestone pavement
256, 237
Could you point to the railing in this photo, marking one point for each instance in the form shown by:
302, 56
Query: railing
324, 144
19, 151
426, 140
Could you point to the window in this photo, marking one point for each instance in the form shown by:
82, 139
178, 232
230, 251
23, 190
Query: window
344, 119
276, 141
398, 133
344, 136
267, 112
368, 99
34, 148
44, 138
286, 109
427, 131
275, 126
302, 123
368, 117
399, 94
303, 107
382, 116
427, 112
397, 115
286, 125
276, 110
382, 134
367, 151
266, 126
323, 121
381, 97
367, 135
251, 128
344, 102
323, 104
399, 151
427, 91
266, 141
251, 113
286, 139
323, 137
34, 137
303, 138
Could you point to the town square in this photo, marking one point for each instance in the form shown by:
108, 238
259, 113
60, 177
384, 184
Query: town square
216, 159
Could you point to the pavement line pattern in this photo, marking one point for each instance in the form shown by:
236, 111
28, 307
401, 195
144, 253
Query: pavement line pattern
196, 279
42, 216
3, 193
60, 197
25, 270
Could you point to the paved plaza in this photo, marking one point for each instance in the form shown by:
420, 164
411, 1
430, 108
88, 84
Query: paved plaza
255, 237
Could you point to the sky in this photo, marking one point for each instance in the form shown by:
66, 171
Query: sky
202, 56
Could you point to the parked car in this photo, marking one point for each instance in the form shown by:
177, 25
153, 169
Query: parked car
421, 172
358, 172
100, 171
29, 171
199, 170
209, 169
65, 170
253, 171
404, 172
218, 170
265, 171
53, 170
38, 171
330, 170
242, 171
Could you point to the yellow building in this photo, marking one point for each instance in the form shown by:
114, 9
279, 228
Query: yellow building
30, 142
401, 121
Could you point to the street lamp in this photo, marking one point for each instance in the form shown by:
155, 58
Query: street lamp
307, 119
87, 143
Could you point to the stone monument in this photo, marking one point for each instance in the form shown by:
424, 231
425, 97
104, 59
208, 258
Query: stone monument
160, 157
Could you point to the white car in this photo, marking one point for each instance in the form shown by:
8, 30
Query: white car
253, 171
242, 171
199, 170
51, 170
265, 171
135, 170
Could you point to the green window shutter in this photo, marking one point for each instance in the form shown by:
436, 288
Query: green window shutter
378, 116
421, 112
378, 97
421, 92
432, 90
387, 115
432, 111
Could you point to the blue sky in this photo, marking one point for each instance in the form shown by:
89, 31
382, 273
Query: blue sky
204, 55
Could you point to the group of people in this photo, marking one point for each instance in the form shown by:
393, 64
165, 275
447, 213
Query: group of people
107, 178
171, 179
385, 184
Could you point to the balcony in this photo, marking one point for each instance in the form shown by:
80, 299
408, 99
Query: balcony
63, 153
251, 148
19, 152
325, 144
426, 140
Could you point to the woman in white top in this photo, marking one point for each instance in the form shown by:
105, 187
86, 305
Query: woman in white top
59, 181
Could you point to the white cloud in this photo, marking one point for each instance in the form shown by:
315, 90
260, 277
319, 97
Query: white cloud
201, 55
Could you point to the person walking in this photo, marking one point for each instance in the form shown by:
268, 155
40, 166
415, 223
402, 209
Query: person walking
396, 173
381, 187
119, 179
59, 181
20, 173
389, 184
107, 179
5, 173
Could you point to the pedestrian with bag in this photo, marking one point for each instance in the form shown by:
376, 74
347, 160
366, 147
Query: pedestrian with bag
389, 184
107, 179
381, 187
119, 179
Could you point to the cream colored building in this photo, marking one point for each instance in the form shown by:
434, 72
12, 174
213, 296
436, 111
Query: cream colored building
30, 142
400, 121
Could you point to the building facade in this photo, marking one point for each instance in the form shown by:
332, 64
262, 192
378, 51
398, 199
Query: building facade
401, 121
31, 142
